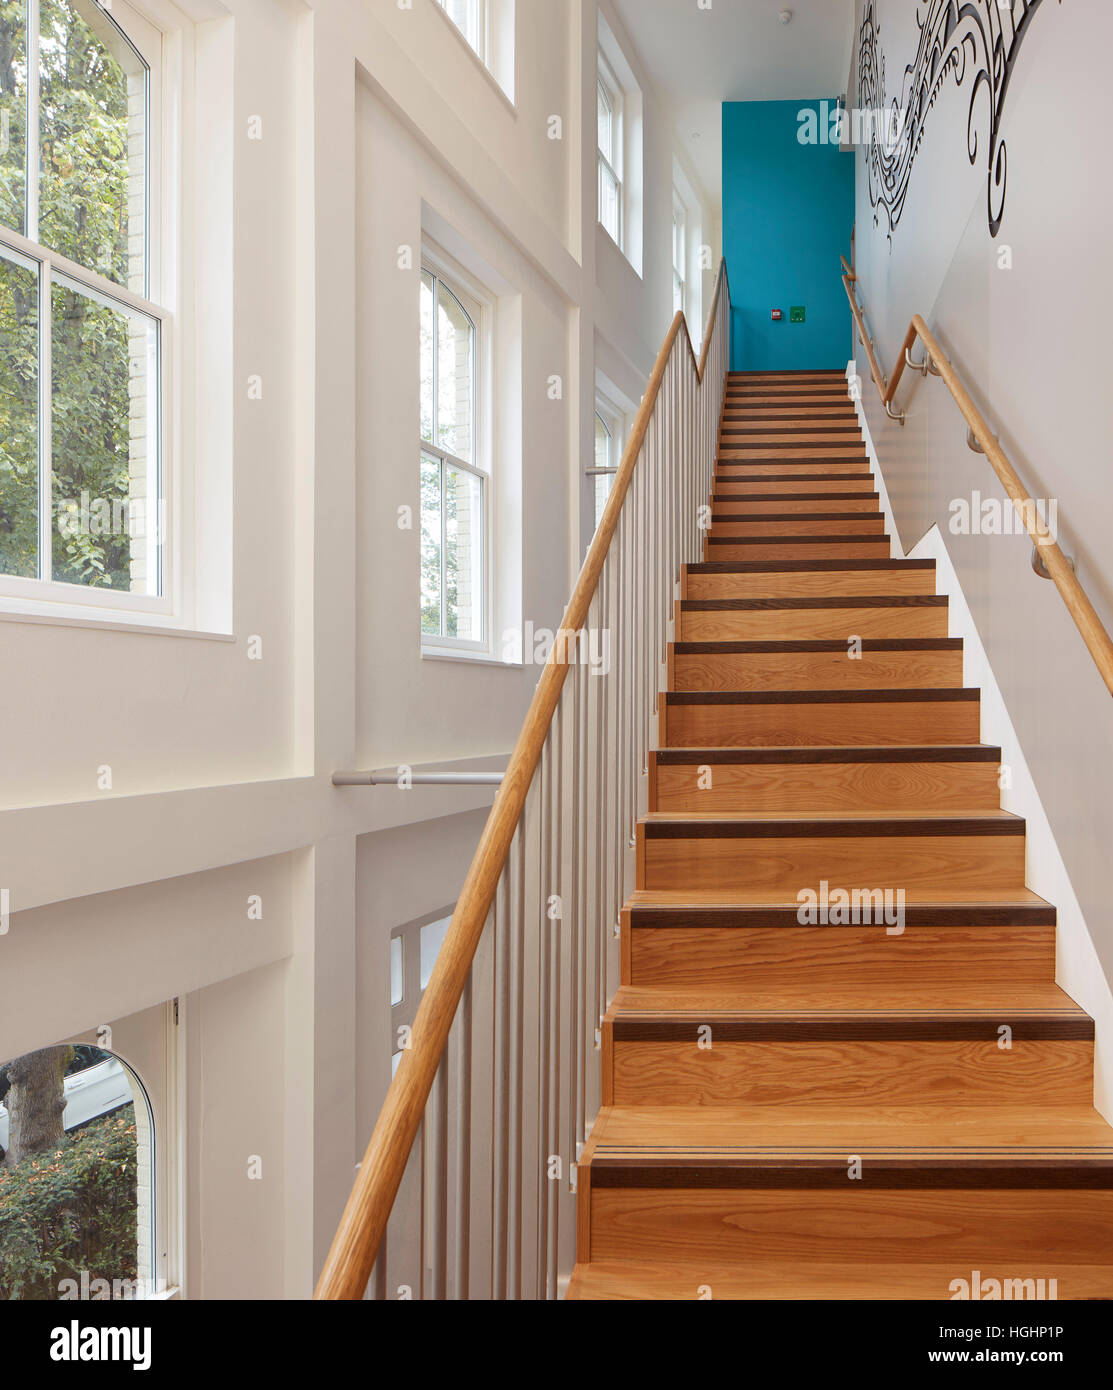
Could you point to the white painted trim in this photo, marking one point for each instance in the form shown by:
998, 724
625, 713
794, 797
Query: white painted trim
897, 551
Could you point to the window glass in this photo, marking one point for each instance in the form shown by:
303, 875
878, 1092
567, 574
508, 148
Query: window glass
455, 376
77, 1155
19, 417
397, 977
453, 477
104, 441
469, 16
92, 144
432, 939
13, 114
81, 484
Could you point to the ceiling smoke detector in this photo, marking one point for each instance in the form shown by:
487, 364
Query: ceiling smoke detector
785, 16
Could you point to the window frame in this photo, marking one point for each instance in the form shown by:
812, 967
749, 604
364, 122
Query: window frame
609, 91
613, 421
42, 595
679, 233
482, 47
479, 308
408, 935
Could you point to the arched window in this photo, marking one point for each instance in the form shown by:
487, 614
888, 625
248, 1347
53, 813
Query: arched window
83, 478
76, 1177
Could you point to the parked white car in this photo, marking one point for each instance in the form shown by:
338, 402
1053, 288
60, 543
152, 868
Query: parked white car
96, 1091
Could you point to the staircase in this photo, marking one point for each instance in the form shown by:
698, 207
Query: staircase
893, 1106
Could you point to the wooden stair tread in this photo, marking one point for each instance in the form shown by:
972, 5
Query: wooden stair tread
789, 822
748, 1132
792, 567
813, 1280
708, 899
1006, 1000
846, 1012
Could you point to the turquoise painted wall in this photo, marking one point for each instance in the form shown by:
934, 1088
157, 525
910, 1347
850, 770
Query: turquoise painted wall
788, 213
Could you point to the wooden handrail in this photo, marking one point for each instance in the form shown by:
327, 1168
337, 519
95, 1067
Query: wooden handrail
356, 1243
1058, 567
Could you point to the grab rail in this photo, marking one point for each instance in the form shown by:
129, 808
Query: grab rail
1048, 558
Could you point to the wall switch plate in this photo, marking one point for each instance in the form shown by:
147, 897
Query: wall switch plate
797, 314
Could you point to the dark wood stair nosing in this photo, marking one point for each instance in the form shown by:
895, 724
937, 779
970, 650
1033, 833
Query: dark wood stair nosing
855, 753
794, 646
945, 694
803, 566
886, 1025
950, 1169
773, 826
747, 605
785, 916
884, 539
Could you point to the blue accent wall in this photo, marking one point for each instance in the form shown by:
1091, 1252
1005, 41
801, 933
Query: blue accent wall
788, 214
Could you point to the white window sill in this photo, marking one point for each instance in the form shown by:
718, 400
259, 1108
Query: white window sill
463, 654
108, 621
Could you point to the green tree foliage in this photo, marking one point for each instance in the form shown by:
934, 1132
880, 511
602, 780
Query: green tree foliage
84, 170
71, 1210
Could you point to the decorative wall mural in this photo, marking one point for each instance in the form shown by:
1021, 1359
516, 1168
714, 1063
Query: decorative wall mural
976, 40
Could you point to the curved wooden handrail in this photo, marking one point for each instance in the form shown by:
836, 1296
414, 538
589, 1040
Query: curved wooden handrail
1058, 567
356, 1243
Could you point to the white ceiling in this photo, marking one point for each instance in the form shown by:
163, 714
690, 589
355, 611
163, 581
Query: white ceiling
736, 51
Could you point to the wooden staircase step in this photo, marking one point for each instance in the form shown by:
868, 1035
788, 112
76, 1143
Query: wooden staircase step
701, 949
818, 718
825, 1280
839, 411
798, 524
667, 1056
724, 505
801, 995
791, 484
748, 424
793, 442
788, 451
797, 548
789, 374
748, 390
804, 578
846, 850
891, 616
786, 469
830, 780
757, 1139
881, 663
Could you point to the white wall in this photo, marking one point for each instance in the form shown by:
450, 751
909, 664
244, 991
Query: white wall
1029, 343
373, 117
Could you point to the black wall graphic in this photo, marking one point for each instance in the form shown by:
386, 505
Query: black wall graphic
979, 44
